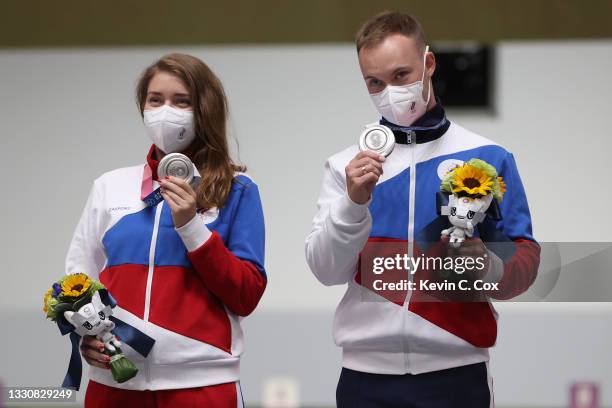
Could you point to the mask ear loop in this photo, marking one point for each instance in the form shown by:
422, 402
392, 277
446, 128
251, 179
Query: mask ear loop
423, 77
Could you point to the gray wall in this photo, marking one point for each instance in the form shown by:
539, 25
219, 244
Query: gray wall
67, 115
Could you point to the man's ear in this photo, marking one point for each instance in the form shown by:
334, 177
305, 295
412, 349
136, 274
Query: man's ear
430, 63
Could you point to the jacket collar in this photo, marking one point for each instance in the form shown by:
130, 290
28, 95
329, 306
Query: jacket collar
152, 162
432, 125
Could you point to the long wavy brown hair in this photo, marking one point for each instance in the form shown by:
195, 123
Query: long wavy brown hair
209, 150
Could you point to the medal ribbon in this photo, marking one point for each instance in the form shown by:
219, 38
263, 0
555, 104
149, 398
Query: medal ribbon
150, 197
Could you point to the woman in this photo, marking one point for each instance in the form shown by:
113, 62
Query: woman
185, 269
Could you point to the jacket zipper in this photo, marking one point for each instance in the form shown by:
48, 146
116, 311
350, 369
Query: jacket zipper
158, 210
411, 141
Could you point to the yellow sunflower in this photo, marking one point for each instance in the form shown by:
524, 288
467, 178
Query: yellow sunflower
472, 180
46, 300
75, 285
502, 185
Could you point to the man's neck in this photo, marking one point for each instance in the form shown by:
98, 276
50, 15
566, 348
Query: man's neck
432, 102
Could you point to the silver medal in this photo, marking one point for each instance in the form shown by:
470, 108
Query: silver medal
378, 139
177, 165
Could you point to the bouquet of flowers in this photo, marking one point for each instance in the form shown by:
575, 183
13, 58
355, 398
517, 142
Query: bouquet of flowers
76, 299
472, 187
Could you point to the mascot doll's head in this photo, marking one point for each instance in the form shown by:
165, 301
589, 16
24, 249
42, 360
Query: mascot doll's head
466, 212
471, 188
90, 318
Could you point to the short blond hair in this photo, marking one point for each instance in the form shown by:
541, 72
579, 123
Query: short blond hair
378, 28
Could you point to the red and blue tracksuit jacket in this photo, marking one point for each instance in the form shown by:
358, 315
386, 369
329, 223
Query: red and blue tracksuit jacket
386, 336
187, 288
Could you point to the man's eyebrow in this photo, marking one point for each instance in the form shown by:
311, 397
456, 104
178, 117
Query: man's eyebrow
402, 68
395, 71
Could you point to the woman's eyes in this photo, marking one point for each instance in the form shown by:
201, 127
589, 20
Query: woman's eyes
183, 102
154, 100
157, 101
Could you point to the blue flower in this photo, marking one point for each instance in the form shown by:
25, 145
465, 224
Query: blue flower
57, 289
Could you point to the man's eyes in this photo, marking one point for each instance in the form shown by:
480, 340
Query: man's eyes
376, 85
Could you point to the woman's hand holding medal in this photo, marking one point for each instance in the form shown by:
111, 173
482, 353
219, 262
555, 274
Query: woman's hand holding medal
176, 174
180, 197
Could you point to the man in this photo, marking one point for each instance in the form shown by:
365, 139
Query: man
403, 352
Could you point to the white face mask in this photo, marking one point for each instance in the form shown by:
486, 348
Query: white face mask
403, 105
170, 129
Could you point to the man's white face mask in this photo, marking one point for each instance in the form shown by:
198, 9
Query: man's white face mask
170, 129
403, 105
